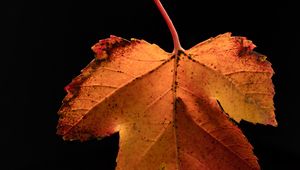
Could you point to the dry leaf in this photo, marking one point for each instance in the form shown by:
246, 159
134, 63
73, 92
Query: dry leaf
172, 112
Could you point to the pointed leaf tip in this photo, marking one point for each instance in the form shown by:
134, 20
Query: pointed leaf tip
103, 47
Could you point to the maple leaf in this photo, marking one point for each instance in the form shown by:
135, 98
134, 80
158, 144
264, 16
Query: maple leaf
172, 110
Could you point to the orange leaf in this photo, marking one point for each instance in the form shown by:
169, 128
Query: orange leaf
171, 110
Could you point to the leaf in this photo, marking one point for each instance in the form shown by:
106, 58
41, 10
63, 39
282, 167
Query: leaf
172, 111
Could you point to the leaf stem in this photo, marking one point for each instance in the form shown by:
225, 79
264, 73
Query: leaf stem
172, 29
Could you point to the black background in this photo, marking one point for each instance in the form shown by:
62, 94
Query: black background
46, 44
